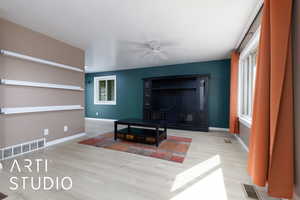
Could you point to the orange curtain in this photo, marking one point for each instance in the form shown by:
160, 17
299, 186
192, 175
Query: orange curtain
271, 141
233, 118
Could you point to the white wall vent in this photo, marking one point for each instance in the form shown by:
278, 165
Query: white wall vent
19, 149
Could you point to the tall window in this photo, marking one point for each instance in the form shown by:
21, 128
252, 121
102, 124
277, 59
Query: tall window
105, 90
247, 74
247, 70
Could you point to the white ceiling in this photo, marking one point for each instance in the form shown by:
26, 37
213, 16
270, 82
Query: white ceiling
198, 30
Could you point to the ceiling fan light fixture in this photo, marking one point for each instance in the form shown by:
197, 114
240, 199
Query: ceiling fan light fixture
154, 46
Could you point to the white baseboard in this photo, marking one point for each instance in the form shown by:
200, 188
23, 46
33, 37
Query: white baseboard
218, 129
65, 139
241, 142
101, 119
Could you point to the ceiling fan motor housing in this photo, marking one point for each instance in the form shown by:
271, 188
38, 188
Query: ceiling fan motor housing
155, 46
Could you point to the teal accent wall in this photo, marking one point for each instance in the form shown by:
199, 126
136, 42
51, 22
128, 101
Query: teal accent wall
130, 90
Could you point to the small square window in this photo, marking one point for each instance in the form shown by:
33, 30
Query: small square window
105, 90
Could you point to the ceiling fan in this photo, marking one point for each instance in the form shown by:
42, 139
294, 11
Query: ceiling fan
152, 48
155, 49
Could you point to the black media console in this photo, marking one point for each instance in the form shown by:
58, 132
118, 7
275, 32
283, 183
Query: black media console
181, 101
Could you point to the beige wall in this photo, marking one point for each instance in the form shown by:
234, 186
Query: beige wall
19, 128
296, 42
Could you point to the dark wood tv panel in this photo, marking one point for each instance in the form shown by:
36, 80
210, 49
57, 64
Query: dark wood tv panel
181, 101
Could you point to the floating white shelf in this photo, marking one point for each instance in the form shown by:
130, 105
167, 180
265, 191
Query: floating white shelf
38, 84
38, 60
19, 110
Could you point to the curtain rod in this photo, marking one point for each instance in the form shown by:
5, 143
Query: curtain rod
255, 18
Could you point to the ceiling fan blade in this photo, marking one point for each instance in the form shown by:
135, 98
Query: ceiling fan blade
146, 54
134, 43
163, 55
167, 44
134, 51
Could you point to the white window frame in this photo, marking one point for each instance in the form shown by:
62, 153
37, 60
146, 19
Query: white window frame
96, 90
251, 46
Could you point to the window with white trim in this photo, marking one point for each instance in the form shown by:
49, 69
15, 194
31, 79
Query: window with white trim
105, 91
247, 70
247, 75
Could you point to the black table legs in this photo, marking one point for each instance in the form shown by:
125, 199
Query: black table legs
116, 129
128, 126
157, 137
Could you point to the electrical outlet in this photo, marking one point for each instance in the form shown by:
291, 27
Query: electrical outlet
46, 132
65, 128
97, 114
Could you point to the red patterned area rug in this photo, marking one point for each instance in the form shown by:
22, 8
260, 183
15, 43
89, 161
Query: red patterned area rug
174, 148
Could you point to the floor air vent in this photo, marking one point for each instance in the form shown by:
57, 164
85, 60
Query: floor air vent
19, 149
250, 191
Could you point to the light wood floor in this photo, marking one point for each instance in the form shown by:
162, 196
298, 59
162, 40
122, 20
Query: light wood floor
212, 170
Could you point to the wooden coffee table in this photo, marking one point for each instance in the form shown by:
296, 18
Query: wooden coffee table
153, 133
